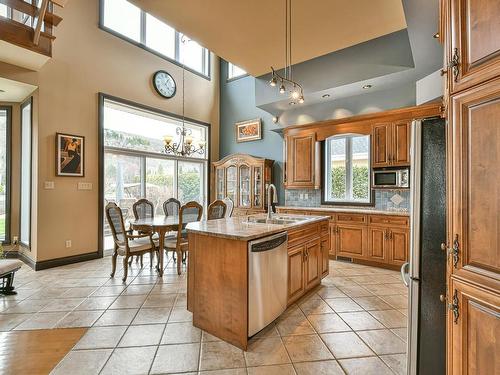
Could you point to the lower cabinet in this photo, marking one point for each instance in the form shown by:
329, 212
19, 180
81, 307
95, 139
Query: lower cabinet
296, 278
398, 246
333, 240
351, 240
378, 239
313, 263
474, 322
325, 255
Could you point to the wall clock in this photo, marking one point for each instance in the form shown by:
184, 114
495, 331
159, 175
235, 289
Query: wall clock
164, 84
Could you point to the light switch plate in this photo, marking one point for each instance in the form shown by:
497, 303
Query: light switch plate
85, 186
49, 185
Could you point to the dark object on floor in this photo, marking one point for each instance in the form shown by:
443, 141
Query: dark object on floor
7, 269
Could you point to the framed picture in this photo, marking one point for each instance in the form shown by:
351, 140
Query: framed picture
70, 155
250, 130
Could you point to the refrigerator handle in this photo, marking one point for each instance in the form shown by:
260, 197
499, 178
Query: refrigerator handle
404, 273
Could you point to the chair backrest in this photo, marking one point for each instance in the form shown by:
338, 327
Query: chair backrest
171, 207
229, 206
115, 220
189, 213
143, 209
216, 210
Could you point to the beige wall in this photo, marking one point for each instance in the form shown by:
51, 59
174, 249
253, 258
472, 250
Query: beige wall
86, 61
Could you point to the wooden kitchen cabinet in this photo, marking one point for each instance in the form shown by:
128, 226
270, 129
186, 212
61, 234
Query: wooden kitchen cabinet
313, 263
391, 144
296, 278
351, 240
325, 255
302, 162
378, 243
333, 240
474, 48
399, 244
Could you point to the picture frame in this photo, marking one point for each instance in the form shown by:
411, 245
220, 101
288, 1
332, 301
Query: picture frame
70, 155
247, 131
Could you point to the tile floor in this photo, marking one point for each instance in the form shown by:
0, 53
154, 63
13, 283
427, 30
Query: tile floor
354, 323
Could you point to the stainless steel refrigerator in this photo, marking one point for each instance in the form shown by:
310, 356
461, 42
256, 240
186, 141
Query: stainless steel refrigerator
425, 275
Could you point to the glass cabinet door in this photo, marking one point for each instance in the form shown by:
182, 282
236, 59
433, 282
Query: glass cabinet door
257, 194
245, 189
231, 182
220, 183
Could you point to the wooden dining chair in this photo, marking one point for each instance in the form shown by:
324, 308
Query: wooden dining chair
229, 206
171, 207
126, 244
142, 209
178, 243
216, 210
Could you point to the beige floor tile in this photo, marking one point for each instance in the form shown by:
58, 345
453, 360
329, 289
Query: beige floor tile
160, 300
207, 337
10, 321
306, 348
79, 319
116, 317
383, 341
365, 366
268, 331
266, 351
128, 302
332, 292
390, 318
386, 289
181, 333
220, 355
176, 358
165, 289
27, 306
96, 303
154, 315
137, 290
79, 292
330, 367
397, 362
346, 345
232, 371
133, 361
325, 323
62, 304
372, 303
402, 333
101, 338
355, 291
294, 325
180, 315
109, 291
343, 305
41, 321
82, 362
142, 335
361, 320
272, 370
397, 301
315, 306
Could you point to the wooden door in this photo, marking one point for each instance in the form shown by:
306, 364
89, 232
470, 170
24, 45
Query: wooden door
399, 246
333, 239
400, 155
475, 43
314, 262
475, 173
325, 252
296, 284
377, 244
351, 240
381, 144
474, 327
302, 159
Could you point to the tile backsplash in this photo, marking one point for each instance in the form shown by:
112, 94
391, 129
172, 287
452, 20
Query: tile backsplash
385, 199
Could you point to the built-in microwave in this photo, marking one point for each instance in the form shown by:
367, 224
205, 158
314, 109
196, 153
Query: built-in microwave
391, 178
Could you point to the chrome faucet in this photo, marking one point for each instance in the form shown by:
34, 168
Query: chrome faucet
271, 199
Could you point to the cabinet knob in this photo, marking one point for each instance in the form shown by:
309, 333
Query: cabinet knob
442, 298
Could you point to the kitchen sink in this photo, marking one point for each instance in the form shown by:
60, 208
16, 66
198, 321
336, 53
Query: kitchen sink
280, 220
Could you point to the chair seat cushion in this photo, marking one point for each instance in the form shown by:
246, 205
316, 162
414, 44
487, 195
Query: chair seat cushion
9, 265
171, 242
138, 244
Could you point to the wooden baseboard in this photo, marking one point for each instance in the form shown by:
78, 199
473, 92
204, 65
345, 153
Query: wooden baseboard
376, 264
45, 264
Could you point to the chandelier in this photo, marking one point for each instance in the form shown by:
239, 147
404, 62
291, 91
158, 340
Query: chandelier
286, 82
186, 145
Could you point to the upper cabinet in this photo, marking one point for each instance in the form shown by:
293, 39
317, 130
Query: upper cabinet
243, 178
474, 49
303, 162
391, 144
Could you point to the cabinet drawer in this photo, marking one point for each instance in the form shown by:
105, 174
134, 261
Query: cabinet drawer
401, 221
329, 215
303, 234
351, 218
324, 227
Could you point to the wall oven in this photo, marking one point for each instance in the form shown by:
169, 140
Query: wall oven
391, 178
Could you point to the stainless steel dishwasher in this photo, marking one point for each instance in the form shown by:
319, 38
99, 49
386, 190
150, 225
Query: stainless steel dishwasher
267, 280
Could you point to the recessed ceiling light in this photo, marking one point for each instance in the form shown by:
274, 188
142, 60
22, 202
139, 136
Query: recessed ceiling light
325, 96
367, 87
291, 103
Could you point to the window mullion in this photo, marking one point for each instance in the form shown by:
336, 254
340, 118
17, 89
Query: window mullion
177, 46
143, 177
349, 168
143, 27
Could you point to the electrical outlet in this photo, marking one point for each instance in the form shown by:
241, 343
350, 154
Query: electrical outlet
85, 186
15, 240
49, 185
68, 244
307, 196
301, 196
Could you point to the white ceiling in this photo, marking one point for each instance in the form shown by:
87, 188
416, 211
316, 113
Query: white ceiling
13, 91
250, 34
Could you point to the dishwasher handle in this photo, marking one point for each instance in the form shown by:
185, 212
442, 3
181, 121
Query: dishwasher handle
269, 243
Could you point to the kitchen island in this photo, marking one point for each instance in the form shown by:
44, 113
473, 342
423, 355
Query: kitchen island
219, 277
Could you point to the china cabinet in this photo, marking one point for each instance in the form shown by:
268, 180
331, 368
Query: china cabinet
244, 179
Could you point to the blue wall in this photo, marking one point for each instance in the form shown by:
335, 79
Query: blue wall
237, 103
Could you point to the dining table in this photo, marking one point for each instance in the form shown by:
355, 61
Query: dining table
162, 225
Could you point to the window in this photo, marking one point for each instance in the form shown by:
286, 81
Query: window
26, 152
347, 169
135, 165
234, 71
4, 11
126, 20
5, 124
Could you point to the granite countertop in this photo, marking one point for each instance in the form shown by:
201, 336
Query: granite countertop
356, 210
238, 228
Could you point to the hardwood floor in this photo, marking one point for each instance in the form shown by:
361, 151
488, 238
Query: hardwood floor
36, 352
